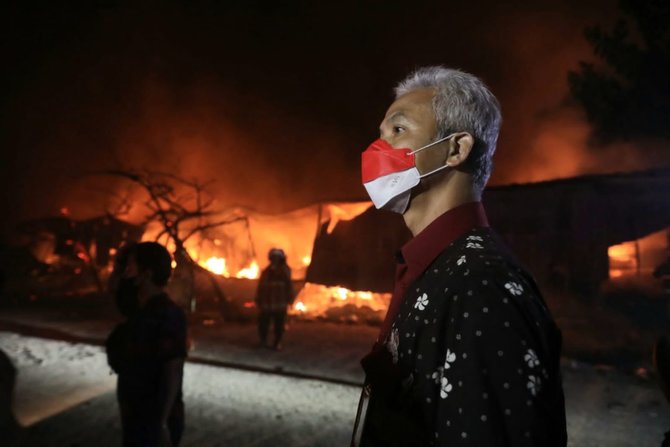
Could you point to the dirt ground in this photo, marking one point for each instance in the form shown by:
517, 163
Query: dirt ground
240, 395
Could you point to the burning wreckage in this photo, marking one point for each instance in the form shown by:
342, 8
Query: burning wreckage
68, 257
573, 234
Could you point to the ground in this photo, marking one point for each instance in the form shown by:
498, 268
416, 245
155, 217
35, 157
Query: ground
240, 395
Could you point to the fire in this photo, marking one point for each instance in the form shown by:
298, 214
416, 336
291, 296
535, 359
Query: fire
250, 272
219, 267
216, 265
340, 293
640, 257
623, 259
338, 212
306, 260
315, 300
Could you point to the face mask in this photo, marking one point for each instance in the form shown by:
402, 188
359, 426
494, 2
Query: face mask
390, 174
127, 296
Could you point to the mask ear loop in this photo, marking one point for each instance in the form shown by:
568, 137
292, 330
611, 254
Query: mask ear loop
447, 165
431, 144
435, 170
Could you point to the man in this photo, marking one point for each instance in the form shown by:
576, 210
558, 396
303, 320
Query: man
273, 296
148, 351
468, 353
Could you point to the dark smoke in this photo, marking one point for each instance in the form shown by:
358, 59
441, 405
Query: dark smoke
273, 100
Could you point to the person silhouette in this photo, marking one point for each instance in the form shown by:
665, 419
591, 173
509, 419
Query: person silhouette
273, 296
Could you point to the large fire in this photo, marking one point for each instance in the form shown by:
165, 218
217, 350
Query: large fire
316, 300
238, 251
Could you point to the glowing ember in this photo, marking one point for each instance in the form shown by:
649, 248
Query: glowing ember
300, 307
250, 272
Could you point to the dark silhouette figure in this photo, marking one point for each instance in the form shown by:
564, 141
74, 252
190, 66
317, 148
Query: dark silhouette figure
148, 350
662, 365
274, 295
9, 427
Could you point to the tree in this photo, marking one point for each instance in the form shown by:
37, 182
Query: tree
184, 210
627, 95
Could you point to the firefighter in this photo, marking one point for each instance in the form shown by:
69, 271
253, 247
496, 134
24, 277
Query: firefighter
273, 296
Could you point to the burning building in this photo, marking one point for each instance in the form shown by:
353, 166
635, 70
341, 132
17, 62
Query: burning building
576, 233
237, 252
572, 233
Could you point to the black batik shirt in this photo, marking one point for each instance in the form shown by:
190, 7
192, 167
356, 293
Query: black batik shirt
480, 356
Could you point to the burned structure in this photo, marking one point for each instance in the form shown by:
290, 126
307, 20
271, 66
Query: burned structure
570, 233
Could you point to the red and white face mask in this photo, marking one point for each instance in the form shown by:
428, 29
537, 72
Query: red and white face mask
389, 174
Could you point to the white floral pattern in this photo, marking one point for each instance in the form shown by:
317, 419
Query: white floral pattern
514, 288
445, 387
438, 374
421, 302
531, 359
491, 373
393, 344
449, 359
534, 384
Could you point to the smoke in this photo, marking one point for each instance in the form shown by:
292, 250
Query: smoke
274, 103
545, 134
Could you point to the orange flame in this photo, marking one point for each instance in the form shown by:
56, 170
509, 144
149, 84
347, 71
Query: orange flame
250, 272
316, 299
216, 265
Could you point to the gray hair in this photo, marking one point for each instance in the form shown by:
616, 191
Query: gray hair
462, 103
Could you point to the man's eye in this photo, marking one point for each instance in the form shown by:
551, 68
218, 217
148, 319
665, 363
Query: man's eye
398, 129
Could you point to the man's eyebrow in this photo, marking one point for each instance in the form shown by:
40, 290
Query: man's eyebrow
396, 115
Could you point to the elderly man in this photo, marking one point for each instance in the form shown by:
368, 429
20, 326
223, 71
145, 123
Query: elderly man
468, 353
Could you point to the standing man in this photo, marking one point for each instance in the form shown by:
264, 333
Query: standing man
273, 296
468, 353
148, 352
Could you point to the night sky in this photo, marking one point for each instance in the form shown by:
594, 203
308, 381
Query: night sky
274, 100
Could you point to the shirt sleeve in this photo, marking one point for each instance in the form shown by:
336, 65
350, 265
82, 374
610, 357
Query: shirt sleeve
491, 370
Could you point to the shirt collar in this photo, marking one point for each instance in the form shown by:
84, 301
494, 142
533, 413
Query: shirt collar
420, 251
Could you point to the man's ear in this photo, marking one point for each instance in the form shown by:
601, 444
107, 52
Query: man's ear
459, 149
